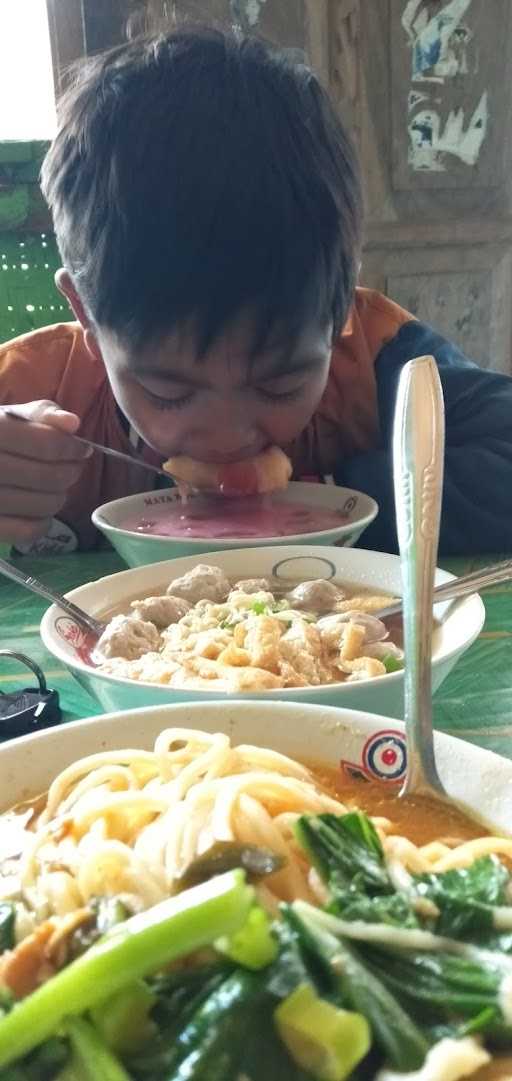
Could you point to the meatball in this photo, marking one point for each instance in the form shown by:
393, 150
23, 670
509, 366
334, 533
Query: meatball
162, 611
317, 596
128, 637
252, 585
203, 583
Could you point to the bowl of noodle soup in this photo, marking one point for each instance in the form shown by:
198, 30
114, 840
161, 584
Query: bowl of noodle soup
364, 577
132, 801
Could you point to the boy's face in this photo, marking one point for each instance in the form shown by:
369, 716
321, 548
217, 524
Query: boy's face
225, 406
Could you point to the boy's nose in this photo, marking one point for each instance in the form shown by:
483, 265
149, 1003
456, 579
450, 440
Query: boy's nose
232, 434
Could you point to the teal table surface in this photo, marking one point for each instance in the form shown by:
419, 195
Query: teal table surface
475, 702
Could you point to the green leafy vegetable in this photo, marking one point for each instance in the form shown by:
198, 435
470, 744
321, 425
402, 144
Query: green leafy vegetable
355, 986
217, 1026
7, 916
455, 986
466, 898
209, 1043
254, 946
267, 1059
346, 852
41, 1065
392, 663
7, 1000
394, 909
178, 996
290, 968
133, 949
123, 1020
92, 1056
260, 608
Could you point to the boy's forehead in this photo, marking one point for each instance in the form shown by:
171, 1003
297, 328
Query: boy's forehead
234, 348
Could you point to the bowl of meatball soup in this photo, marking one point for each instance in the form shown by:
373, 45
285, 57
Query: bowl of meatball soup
288, 622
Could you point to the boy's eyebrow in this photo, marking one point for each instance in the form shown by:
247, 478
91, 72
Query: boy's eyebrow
277, 370
280, 368
171, 375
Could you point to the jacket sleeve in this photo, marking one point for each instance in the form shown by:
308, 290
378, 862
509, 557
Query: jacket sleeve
477, 498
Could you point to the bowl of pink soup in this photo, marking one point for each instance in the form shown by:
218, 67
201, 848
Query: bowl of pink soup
152, 526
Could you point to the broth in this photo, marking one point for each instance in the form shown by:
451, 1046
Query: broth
418, 818
223, 519
278, 586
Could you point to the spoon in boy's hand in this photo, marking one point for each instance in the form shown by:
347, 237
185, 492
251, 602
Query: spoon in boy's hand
19, 413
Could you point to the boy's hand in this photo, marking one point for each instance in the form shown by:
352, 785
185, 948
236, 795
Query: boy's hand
39, 462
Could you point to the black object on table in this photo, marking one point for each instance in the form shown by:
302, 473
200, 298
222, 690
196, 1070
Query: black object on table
31, 708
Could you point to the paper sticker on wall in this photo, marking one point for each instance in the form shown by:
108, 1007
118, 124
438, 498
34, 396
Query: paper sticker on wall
430, 142
440, 42
246, 13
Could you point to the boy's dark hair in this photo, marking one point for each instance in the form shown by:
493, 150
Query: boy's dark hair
197, 174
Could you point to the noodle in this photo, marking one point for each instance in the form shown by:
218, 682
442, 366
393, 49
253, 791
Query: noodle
129, 823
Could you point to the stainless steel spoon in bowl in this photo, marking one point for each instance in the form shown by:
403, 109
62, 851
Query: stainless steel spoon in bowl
93, 627
418, 467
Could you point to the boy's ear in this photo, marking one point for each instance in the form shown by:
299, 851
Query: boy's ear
66, 286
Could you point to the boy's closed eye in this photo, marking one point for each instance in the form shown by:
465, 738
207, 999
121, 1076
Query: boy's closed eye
280, 390
276, 388
180, 401
271, 392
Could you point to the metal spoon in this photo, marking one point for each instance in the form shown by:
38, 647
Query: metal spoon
87, 623
418, 464
460, 587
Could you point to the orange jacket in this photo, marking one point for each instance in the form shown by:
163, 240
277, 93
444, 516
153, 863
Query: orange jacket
53, 363
349, 436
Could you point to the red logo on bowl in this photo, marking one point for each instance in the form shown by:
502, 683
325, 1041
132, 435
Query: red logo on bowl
383, 758
74, 636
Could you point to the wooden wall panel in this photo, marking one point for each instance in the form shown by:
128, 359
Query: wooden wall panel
464, 293
439, 217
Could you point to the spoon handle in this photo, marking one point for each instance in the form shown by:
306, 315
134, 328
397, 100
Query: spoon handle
87, 622
418, 462
461, 587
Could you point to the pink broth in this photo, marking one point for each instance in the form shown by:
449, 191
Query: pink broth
216, 518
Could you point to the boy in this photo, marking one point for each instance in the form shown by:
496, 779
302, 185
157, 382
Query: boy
207, 208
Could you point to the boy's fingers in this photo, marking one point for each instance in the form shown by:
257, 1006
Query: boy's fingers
16, 502
42, 442
34, 476
47, 412
22, 530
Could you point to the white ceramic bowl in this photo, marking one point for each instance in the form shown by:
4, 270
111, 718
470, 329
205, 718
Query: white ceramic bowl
139, 549
355, 567
372, 745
